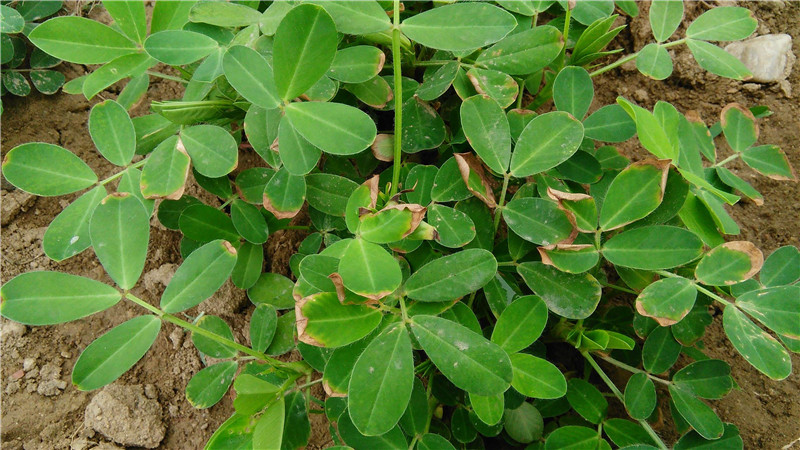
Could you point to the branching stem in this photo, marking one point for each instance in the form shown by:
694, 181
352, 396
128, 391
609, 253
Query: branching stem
499, 210
121, 172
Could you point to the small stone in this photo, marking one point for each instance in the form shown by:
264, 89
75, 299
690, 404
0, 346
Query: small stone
50, 388
176, 337
79, 444
640, 95
126, 416
768, 57
13, 329
34, 373
31, 387
28, 364
150, 391
66, 355
12, 388
14, 203
18, 374
173, 410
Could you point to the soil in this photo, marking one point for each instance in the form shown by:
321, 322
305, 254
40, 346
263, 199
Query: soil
42, 410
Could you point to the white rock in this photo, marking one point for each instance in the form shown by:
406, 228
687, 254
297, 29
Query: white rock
768, 57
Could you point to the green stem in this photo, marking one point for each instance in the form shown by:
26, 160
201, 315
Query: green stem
566, 38
521, 83
507, 264
307, 385
716, 297
618, 394
414, 442
403, 311
535, 19
121, 172
398, 99
499, 210
430, 63
727, 160
166, 77
622, 365
292, 367
619, 288
227, 202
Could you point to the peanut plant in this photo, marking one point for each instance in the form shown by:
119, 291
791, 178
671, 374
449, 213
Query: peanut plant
477, 254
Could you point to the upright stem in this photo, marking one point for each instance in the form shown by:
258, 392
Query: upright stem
618, 394
293, 367
499, 211
398, 98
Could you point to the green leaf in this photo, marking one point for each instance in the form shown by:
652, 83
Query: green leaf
249, 263
208, 386
524, 424
455, 228
369, 270
633, 194
547, 141
11, 21
46, 170
209, 346
170, 15
421, 179
609, 124
730, 440
537, 220
129, 16
451, 277
390, 225
781, 267
203, 223
284, 339
169, 211
381, 384
431, 441
459, 27
654, 60
570, 258
253, 393
329, 323
249, 222
653, 247
68, 233
213, 150
120, 232
739, 127
448, 185
466, 358
665, 16
47, 298
113, 353
200, 275
263, 325
80, 40
524, 52
164, 175
112, 132
489, 409
652, 135
363, 17
520, 324
586, 400
329, 193
415, 418
423, 128
486, 127
745, 188
497, 85
586, 12
224, 14
237, 431
568, 295
729, 263
573, 91
723, 24
357, 64
628, 434
179, 47
537, 377
778, 308
769, 160
284, 194
393, 440
667, 301
640, 396
438, 82
272, 289
699, 415
250, 183
250, 74
717, 61
15, 83
335, 128
660, 350
269, 430
47, 81
304, 48
710, 378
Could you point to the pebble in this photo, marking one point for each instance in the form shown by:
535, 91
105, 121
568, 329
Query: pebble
13, 329
768, 57
28, 364
125, 415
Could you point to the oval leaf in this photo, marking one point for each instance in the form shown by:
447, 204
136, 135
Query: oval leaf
120, 233
547, 141
452, 277
568, 295
200, 275
46, 170
653, 248
464, 26
334, 128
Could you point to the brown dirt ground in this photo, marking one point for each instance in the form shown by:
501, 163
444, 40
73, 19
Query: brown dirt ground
766, 412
